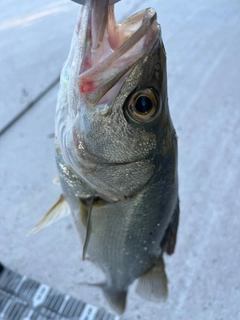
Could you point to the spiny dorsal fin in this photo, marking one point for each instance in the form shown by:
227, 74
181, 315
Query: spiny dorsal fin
153, 285
58, 211
89, 204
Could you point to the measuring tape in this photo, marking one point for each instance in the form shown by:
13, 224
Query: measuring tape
22, 298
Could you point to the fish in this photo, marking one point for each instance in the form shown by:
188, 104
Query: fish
116, 149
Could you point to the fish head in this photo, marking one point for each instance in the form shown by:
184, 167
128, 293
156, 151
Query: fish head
112, 105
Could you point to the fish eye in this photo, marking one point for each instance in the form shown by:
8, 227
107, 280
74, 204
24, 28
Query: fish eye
142, 106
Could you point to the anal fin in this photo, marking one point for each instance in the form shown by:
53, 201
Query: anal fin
59, 210
153, 285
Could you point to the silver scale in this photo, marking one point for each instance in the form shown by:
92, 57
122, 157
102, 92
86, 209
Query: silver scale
22, 298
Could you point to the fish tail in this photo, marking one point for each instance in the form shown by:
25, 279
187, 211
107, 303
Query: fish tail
116, 299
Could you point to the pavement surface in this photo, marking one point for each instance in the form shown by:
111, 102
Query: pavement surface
202, 40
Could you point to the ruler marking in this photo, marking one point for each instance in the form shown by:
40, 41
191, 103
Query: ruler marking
22, 289
36, 301
40, 295
68, 306
28, 288
21, 310
14, 282
29, 314
20, 283
52, 302
12, 312
6, 307
63, 305
106, 317
58, 303
33, 290
8, 278
17, 310
89, 312
3, 277
3, 302
79, 309
49, 298
100, 314
73, 308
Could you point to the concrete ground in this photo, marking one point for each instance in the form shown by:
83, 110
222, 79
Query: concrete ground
202, 40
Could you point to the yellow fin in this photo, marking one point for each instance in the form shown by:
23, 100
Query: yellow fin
58, 211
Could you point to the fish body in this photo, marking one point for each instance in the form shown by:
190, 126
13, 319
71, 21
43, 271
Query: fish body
116, 148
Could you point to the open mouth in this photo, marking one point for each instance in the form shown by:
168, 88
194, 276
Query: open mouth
109, 50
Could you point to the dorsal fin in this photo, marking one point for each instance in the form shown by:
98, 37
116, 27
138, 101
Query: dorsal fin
59, 210
170, 238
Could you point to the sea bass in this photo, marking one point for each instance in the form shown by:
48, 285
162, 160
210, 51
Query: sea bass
116, 149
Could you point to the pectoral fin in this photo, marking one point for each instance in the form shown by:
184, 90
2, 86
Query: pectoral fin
58, 211
153, 285
89, 204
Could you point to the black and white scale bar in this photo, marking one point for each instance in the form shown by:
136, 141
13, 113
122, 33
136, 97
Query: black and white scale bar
26, 299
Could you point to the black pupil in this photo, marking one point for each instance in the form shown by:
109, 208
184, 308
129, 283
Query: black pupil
143, 105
